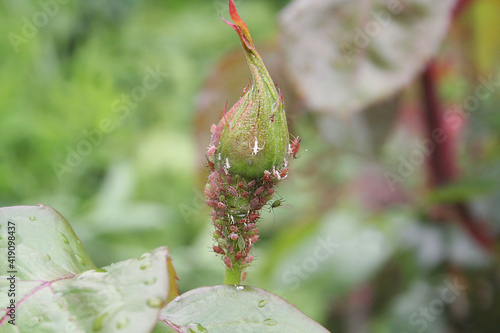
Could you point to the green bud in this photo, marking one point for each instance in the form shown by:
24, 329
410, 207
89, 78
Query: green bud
252, 136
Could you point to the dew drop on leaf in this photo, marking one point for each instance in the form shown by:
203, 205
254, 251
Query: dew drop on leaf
122, 323
63, 238
240, 287
150, 281
99, 322
80, 259
145, 264
201, 328
155, 302
270, 322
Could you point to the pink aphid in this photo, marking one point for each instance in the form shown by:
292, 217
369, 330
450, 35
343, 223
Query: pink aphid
233, 236
259, 190
211, 150
233, 191
228, 262
251, 184
249, 259
219, 250
295, 147
254, 203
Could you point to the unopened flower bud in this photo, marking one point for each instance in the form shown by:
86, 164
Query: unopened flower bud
252, 136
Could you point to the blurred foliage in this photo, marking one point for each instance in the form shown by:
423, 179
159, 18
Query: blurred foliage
393, 248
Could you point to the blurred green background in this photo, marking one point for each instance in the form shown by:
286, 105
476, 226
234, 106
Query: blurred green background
105, 114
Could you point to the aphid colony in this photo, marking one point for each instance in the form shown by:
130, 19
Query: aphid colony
236, 204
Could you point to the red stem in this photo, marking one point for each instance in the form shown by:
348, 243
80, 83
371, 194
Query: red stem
442, 162
460, 7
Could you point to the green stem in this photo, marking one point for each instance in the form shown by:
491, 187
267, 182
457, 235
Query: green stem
233, 276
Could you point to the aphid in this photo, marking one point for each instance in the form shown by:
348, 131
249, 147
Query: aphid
233, 191
280, 203
253, 216
250, 184
211, 165
254, 203
212, 203
210, 194
219, 250
283, 172
267, 177
233, 236
248, 259
211, 150
294, 147
214, 186
221, 205
233, 228
228, 263
259, 190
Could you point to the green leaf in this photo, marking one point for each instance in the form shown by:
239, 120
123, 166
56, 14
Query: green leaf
229, 308
346, 55
58, 288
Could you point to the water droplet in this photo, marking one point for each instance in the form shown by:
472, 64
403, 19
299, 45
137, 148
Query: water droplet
201, 328
155, 302
262, 303
32, 218
270, 322
145, 264
150, 281
177, 299
122, 323
99, 322
80, 259
240, 287
63, 238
